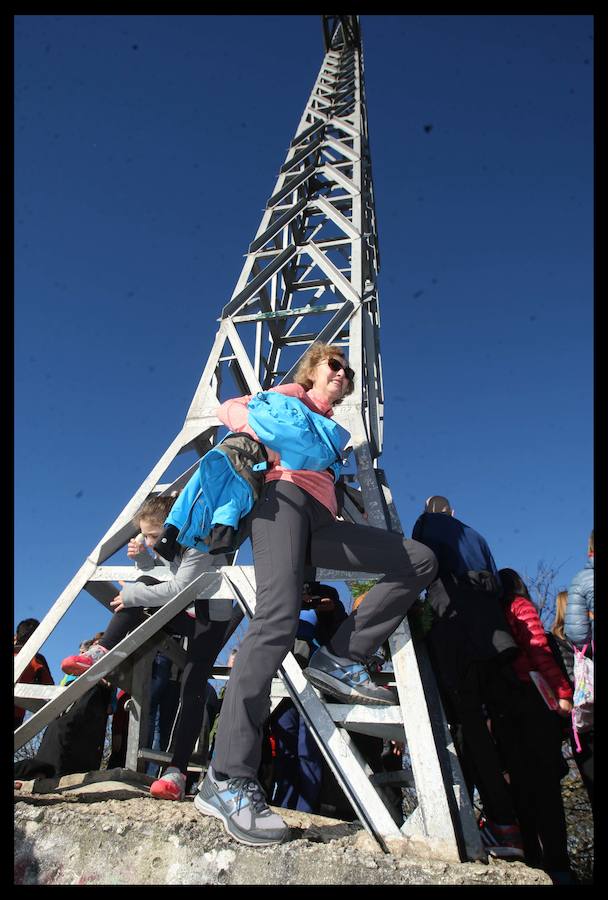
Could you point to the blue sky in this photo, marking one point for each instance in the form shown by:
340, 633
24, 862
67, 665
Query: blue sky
145, 150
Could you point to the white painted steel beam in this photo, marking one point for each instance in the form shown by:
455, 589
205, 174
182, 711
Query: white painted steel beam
114, 657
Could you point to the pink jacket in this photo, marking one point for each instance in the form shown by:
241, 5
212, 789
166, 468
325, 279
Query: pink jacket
320, 485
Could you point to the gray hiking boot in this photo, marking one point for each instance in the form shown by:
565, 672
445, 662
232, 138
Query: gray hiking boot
347, 680
242, 807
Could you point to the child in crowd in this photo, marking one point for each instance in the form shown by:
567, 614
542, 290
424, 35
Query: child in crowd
74, 741
84, 646
205, 626
37, 671
529, 736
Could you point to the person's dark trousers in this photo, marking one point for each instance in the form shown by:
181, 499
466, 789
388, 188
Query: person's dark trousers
483, 686
298, 765
204, 645
120, 733
168, 713
310, 765
121, 624
529, 737
333, 801
74, 741
205, 640
161, 718
584, 761
465, 686
128, 619
289, 530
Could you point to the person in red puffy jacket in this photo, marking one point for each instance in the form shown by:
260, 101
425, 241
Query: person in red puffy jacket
37, 670
535, 653
529, 735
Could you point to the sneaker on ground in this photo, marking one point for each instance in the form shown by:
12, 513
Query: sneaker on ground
76, 665
346, 679
241, 805
170, 786
501, 841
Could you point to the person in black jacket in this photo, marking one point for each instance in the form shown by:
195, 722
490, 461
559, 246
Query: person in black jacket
74, 741
470, 645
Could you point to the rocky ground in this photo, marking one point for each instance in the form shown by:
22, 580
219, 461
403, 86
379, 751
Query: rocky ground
580, 825
115, 833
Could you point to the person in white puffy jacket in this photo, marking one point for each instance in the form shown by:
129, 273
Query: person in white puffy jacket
578, 626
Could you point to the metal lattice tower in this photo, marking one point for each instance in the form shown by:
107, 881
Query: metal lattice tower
310, 274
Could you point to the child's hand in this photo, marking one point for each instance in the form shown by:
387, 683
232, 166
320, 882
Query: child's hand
117, 603
565, 708
135, 547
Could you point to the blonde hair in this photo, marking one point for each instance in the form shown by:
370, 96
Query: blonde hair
561, 601
154, 508
315, 355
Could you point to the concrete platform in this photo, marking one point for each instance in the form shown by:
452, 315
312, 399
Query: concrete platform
104, 828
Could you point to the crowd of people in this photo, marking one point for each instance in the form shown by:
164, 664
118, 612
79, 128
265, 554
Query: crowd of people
505, 684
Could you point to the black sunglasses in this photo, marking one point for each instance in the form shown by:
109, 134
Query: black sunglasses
335, 365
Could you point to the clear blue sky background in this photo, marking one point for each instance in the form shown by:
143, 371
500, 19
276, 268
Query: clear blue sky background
146, 148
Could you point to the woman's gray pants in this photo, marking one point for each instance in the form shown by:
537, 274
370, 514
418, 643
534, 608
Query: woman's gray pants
289, 531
